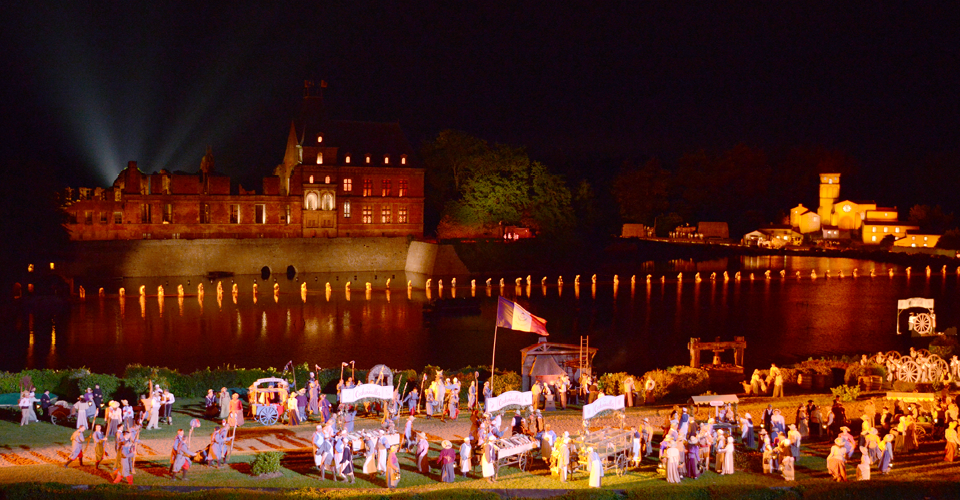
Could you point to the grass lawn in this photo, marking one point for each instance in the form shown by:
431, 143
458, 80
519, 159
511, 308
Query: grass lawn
919, 475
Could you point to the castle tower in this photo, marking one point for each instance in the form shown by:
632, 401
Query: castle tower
829, 192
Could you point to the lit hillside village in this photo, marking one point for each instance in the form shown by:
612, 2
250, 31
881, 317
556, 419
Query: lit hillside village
832, 222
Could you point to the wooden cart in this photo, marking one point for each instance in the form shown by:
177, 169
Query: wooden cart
514, 450
614, 447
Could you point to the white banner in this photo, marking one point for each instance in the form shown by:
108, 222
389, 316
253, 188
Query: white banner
507, 399
363, 391
602, 404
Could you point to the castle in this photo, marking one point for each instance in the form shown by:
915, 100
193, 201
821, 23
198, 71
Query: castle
337, 179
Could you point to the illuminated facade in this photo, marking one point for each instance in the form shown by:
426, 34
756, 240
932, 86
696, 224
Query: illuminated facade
337, 179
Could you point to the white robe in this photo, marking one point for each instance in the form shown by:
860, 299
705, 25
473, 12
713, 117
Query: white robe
487, 463
596, 470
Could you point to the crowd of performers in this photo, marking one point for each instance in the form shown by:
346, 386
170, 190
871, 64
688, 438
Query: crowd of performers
687, 448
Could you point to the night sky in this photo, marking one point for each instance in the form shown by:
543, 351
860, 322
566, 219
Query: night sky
89, 86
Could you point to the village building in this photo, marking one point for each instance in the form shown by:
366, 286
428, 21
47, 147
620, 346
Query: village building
848, 219
337, 179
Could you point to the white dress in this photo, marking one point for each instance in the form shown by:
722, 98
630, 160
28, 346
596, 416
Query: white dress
673, 464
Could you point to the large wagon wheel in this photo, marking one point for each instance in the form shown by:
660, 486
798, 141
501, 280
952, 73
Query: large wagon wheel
267, 415
892, 355
909, 372
53, 419
921, 432
938, 367
621, 464
523, 461
923, 324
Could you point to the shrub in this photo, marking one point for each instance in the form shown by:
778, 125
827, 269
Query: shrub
505, 382
944, 346
856, 370
846, 392
612, 383
109, 384
677, 381
266, 463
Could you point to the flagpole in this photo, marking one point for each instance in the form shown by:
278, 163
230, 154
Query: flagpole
494, 359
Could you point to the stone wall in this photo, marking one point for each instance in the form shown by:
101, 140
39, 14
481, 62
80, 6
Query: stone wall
249, 256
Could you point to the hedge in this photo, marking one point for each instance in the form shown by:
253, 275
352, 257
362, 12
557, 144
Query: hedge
677, 381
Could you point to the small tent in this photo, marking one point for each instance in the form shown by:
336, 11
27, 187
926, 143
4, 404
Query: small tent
545, 369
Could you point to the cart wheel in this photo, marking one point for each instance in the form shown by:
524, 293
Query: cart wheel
53, 419
923, 352
921, 433
938, 367
621, 465
268, 415
892, 355
909, 372
522, 462
923, 324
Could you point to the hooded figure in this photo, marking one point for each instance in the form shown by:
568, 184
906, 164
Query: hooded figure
596, 468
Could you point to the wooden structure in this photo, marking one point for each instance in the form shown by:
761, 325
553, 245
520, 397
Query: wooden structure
571, 358
738, 346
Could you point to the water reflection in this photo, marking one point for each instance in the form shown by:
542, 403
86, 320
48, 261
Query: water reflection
783, 318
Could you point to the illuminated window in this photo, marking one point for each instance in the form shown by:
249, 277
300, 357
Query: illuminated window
287, 218
346, 209
386, 186
367, 187
402, 188
88, 218
896, 229
402, 215
234, 214
347, 184
319, 159
310, 202
885, 228
326, 201
311, 180
874, 238
348, 158
144, 213
204, 213
367, 216
319, 139
368, 158
103, 217
386, 159
260, 214
326, 180
168, 213
386, 216
924, 238
914, 245
403, 160
874, 229
118, 217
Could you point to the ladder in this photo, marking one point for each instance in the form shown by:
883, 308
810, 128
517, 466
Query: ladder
584, 354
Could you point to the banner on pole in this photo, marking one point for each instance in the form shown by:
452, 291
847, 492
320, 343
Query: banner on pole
603, 404
510, 398
366, 391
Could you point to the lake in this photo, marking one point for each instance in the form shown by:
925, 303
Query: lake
637, 328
